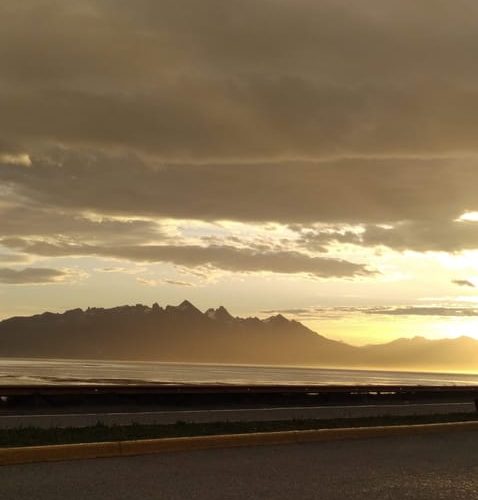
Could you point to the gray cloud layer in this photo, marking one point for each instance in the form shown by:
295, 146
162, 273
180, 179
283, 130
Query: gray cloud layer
299, 112
27, 220
30, 275
419, 235
225, 84
339, 312
346, 191
424, 311
221, 257
243, 79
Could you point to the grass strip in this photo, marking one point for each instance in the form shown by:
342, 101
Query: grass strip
34, 436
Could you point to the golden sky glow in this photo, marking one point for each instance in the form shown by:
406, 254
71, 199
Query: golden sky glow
313, 157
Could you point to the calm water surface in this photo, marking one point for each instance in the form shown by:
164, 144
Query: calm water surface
54, 371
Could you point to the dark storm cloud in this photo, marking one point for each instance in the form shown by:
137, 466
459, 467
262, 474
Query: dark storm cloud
30, 275
227, 258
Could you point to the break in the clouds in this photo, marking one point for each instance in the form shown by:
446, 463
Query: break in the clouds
31, 275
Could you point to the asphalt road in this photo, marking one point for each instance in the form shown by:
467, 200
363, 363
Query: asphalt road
49, 420
438, 467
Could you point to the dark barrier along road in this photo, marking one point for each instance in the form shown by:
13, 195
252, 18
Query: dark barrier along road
430, 466
77, 406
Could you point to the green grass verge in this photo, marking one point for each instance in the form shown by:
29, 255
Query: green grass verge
33, 436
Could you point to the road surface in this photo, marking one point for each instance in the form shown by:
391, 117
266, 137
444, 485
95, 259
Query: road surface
48, 420
434, 466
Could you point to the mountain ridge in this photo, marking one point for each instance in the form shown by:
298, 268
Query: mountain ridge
184, 333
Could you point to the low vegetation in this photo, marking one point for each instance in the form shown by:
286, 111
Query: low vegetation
32, 436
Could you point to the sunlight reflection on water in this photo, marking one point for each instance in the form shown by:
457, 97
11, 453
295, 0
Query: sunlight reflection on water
54, 371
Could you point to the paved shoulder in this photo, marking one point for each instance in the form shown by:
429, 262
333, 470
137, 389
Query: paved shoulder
441, 466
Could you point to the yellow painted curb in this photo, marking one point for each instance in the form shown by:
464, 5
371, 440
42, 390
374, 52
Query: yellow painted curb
22, 455
29, 454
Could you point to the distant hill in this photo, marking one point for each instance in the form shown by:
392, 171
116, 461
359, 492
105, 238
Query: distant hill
184, 333
419, 353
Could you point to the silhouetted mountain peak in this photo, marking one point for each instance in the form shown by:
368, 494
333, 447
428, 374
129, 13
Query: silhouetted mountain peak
186, 306
156, 308
277, 319
220, 314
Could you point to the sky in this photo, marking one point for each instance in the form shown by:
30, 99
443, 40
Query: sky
315, 158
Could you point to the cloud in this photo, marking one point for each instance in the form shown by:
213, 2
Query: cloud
465, 283
178, 283
354, 198
299, 112
423, 311
13, 258
347, 191
148, 282
272, 79
422, 236
31, 275
153, 282
316, 313
289, 111
18, 219
293, 311
224, 257
416, 235
116, 269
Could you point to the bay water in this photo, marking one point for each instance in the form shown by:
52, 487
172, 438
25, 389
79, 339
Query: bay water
59, 371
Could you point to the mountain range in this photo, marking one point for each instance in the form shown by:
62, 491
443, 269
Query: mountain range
185, 334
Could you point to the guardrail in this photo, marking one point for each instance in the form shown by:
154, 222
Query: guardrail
191, 395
